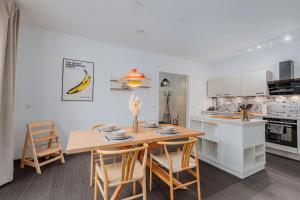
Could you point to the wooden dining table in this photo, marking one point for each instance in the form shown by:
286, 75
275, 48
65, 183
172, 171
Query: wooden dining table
90, 140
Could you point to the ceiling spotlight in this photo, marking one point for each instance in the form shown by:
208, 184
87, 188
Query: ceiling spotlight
287, 38
250, 50
258, 47
237, 53
271, 43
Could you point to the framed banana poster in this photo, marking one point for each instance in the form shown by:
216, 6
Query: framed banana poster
77, 80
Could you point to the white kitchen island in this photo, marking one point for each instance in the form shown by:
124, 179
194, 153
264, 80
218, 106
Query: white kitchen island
232, 145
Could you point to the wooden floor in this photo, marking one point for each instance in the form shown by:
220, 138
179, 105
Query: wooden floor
280, 181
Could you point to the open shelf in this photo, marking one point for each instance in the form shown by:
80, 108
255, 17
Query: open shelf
210, 149
196, 125
211, 131
260, 159
259, 150
249, 158
200, 146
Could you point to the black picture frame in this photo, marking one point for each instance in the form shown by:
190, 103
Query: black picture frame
63, 79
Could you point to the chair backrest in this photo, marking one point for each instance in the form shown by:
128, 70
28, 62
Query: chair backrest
186, 151
98, 126
129, 158
41, 127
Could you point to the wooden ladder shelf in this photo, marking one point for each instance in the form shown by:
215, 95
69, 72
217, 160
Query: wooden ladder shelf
41, 140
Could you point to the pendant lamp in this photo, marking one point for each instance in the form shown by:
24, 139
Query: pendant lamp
133, 78
165, 83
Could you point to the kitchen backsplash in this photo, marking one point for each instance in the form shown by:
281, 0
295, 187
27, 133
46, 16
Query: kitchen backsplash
281, 105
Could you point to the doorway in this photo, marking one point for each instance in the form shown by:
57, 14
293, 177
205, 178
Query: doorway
172, 98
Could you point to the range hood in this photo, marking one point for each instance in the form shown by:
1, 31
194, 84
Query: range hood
287, 84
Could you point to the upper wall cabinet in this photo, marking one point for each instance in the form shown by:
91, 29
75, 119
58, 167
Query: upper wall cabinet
246, 84
255, 83
214, 87
232, 86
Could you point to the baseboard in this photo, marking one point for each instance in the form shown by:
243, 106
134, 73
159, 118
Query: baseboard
283, 153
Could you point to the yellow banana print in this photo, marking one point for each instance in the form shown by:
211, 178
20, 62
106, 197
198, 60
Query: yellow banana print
82, 85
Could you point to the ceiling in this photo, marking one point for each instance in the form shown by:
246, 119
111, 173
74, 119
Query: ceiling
199, 30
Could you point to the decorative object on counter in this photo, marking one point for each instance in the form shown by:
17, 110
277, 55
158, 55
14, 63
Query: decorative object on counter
134, 107
245, 107
211, 108
167, 114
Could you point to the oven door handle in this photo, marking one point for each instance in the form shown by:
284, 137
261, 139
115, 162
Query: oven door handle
288, 126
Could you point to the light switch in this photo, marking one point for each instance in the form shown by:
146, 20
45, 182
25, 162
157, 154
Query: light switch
27, 106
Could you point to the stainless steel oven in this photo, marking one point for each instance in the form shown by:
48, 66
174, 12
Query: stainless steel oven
281, 131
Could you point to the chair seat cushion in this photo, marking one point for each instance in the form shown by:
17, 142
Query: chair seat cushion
176, 158
114, 172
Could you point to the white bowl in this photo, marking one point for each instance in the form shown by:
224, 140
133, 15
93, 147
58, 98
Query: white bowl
108, 128
169, 129
151, 124
118, 133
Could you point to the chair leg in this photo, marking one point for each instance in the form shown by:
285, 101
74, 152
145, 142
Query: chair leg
92, 168
144, 188
150, 177
134, 188
38, 169
24, 152
36, 163
171, 186
62, 159
105, 197
96, 188
198, 183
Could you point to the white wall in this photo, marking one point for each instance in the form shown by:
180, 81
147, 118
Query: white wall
267, 59
39, 74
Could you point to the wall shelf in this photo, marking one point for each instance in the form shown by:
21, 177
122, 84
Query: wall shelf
120, 85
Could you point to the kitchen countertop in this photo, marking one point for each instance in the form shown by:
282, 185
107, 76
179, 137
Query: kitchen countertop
255, 115
208, 118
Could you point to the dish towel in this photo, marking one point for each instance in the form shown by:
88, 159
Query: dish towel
277, 128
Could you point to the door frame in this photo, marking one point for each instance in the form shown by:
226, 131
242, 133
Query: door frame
187, 100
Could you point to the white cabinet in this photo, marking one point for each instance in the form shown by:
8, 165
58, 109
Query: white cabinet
231, 147
232, 86
253, 136
238, 149
248, 139
214, 88
255, 83
246, 84
259, 138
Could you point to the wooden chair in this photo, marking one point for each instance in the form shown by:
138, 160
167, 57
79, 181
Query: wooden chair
96, 157
128, 170
41, 140
176, 162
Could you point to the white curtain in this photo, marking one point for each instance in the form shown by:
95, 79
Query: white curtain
9, 23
